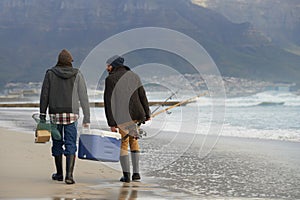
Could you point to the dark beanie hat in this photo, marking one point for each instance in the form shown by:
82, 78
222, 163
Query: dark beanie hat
65, 57
115, 61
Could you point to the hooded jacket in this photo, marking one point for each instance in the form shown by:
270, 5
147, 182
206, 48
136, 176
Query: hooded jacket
124, 97
63, 89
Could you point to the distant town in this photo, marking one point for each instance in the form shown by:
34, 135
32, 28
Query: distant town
30, 91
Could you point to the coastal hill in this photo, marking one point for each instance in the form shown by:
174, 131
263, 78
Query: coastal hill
279, 20
32, 32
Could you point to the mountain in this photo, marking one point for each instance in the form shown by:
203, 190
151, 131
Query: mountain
32, 32
279, 20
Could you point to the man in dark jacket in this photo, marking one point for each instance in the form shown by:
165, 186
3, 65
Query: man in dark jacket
125, 105
63, 88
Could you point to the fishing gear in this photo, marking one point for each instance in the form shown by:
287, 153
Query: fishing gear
178, 104
166, 100
43, 124
137, 132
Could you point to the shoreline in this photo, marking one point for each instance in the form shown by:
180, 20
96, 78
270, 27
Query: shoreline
237, 168
99, 104
21, 118
27, 169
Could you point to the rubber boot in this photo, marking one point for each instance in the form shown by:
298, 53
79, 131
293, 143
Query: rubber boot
70, 162
124, 160
59, 169
135, 158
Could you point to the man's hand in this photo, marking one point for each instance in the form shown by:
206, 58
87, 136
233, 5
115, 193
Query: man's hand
85, 125
114, 129
43, 118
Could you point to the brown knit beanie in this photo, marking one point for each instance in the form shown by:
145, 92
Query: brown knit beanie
65, 57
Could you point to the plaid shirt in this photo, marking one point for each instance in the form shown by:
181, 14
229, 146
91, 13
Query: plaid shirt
63, 118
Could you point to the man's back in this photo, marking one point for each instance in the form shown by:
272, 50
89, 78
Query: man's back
63, 89
125, 97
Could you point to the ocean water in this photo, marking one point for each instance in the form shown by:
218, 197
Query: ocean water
267, 115
185, 153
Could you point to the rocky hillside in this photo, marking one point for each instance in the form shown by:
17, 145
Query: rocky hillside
32, 32
279, 20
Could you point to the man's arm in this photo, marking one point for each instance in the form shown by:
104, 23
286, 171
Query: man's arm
83, 98
144, 100
44, 98
107, 103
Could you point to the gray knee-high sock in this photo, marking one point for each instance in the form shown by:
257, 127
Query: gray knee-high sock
124, 160
135, 158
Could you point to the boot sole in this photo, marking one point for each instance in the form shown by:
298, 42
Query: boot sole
57, 178
69, 182
125, 181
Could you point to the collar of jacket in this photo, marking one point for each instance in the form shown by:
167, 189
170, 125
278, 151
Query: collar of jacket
65, 64
120, 68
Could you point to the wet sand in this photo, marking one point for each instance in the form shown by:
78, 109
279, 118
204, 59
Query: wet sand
26, 169
237, 168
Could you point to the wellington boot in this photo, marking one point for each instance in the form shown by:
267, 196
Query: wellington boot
136, 177
125, 177
70, 162
124, 160
58, 176
135, 158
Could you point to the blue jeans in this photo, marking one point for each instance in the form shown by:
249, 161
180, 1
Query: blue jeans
69, 138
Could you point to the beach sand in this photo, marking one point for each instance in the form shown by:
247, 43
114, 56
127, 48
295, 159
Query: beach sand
236, 169
26, 169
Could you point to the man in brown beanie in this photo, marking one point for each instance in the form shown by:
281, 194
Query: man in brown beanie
63, 89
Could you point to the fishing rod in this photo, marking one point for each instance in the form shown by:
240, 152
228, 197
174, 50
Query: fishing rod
178, 104
141, 131
166, 100
134, 129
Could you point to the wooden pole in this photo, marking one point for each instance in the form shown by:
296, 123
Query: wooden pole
92, 104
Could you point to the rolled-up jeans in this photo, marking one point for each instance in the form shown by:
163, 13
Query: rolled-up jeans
67, 145
131, 141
